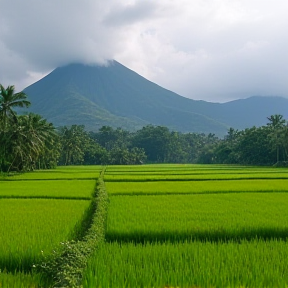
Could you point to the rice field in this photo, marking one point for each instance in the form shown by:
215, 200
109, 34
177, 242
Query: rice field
193, 226
192, 176
64, 183
79, 189
183, 172
178, 168
20, 280
32, 227
168, 226
61, 172
189, 264
205, 217
39, 211
197, 187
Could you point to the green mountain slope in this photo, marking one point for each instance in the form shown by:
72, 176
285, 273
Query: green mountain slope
116, 96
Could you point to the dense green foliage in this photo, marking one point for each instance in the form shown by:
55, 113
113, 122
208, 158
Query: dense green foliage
264, 145
29, 142
108, 146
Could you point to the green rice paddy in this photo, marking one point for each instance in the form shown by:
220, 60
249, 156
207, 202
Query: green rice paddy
197, 187
205, 217
193, 176
191, 172
20, 280
39, 211
195, 226
189, 264
70, 172
32, 227
82, 189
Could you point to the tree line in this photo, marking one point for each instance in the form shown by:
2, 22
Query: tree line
29, 142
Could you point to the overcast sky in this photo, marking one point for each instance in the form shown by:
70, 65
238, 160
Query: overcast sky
214, 50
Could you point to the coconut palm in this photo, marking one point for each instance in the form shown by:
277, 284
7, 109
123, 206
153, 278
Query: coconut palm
277, 125
32, 138
29, 143
74, 140
9, 100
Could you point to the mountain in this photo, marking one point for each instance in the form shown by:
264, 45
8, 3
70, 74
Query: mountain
116, 96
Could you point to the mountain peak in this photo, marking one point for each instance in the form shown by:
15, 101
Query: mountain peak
113, 95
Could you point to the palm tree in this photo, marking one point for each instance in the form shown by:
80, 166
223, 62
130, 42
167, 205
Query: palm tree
35, 137
30, 143
8, 101
73, 141
277, 125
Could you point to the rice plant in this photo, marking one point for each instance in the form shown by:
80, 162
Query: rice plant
61, 172
189, 264
31, 228
203, 216
191, 172
21, 280
189, 187
47, 189
193, 177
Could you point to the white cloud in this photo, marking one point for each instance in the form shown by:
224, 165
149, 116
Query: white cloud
214, 50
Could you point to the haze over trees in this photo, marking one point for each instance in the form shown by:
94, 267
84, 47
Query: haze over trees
29, 142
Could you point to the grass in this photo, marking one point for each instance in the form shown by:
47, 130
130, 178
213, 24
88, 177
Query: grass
47, 189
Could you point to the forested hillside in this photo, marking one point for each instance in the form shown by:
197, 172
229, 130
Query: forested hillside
116, 96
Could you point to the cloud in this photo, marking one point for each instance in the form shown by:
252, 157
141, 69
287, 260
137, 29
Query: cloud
214, 50
49, 33
131, 13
